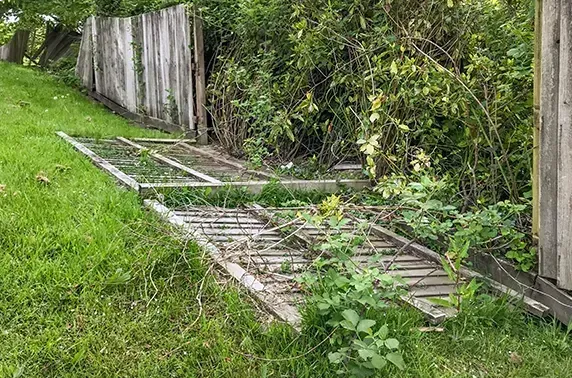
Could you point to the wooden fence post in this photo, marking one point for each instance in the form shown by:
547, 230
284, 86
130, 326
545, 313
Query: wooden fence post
200, 80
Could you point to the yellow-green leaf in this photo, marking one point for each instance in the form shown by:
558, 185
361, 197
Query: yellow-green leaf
393, 68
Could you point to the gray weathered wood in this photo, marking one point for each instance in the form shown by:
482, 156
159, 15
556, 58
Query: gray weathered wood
163, 140
564, 215
532, 306
141, 119
15, 49
166, 160
100, 162
222, 160
84, 67
200, 77
282, 310
142, 64
560, 302
548, 145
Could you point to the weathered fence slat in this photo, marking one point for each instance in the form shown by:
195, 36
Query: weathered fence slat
84, 68
564, 218
200, 76
548, 159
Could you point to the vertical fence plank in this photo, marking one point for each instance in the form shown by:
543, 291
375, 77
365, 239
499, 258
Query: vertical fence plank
564, 218
186, 71
536, 111
548, 159
200, 80
84, 67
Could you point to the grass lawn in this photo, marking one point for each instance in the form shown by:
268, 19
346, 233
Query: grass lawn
93, 286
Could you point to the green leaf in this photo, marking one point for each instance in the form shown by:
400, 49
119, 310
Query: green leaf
396, 359
365, 325
335, 357
404, 128
393, 68
450, 3
383, 332
362, 22
392, 343
373, 117
351, 316
378, 361
366, 353
441, 302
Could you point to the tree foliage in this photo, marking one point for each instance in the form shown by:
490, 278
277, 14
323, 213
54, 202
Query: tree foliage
32, 12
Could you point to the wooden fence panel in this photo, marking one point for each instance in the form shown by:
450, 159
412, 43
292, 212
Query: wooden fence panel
143, 64
14, 50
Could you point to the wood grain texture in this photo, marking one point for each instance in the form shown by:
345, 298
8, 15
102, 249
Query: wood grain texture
564, 215
15, 49
548, 145
84, 67
142, 64
200, 77
284, 311
330, 186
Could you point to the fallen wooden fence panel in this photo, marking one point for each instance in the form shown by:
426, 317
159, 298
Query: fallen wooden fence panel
101, 163
174, 164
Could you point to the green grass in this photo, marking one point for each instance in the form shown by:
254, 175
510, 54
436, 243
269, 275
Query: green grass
93, 286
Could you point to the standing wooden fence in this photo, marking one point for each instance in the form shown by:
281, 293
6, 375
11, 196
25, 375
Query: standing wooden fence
14, 50
554, 142
142, 67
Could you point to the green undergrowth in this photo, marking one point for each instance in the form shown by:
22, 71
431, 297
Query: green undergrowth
271, 195
91, 285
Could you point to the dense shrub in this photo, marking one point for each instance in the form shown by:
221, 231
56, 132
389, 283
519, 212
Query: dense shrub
448, 79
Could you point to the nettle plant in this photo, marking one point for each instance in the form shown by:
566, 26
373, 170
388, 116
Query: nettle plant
347, 296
